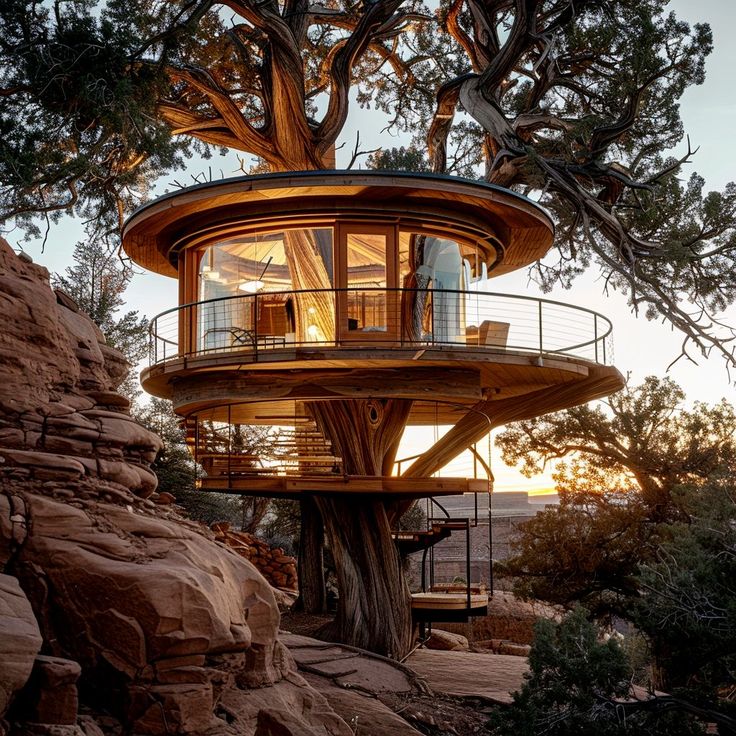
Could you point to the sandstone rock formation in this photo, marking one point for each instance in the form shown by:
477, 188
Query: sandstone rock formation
490, 677
447, 641
20, 640
509, 620
51, 696
355, 682
166, 629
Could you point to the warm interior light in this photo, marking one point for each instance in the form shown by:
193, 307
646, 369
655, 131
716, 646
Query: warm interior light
251, 286
209, 274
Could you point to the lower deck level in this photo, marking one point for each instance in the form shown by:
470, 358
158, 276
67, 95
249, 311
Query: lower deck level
293, 486
449, 605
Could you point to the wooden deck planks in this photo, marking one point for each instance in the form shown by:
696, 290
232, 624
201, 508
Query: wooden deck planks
359, 485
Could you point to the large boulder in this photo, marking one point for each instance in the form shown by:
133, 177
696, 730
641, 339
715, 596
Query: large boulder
20, 641
142, 590
509, 619
167, 631
51, 697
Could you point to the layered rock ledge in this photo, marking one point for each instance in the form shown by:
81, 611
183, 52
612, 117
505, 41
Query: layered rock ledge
144, 624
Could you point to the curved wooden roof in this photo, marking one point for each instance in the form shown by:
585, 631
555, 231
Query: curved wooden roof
154, 234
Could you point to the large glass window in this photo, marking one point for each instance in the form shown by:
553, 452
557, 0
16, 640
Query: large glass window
264, 270
272, 289
367, 279
446, 263
437, 271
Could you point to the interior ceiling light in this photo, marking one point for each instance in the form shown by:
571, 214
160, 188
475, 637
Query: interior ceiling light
251, 287
209, 274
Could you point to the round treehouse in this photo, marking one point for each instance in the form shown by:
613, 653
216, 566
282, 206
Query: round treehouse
322, 313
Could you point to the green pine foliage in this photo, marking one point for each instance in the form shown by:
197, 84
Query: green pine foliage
619, 465
97, 280
399, 159
577, 686
79, 129
687, 604
174, 465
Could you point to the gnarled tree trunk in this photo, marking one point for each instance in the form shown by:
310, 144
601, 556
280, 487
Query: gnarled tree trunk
312, 283
374, 609
312, 593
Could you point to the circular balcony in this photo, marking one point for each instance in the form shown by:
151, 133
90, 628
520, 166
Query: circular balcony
260, 327
450, 345
303, 295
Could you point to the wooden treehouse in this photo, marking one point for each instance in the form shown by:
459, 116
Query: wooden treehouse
322, 313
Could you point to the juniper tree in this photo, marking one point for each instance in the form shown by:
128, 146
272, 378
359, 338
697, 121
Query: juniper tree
621, 465
579, 684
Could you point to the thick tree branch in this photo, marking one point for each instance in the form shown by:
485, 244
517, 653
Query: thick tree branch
376, 16
242, 130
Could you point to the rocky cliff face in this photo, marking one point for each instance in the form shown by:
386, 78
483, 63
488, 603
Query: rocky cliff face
145, 624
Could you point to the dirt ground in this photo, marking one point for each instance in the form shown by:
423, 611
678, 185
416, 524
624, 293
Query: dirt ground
434, 715
441, 715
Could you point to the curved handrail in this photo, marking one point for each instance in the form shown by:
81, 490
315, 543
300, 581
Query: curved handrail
495, 304
291, 292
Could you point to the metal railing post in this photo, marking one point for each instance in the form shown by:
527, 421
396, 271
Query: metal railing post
255, 326
467, 557
431, 568
595, 335
196, 447
490, 537
541, 334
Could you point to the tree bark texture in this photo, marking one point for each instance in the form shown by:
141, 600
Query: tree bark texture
309, 271
374, 609
312, 593
362, 431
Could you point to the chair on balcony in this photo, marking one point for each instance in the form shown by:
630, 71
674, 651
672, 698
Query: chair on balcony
490, 334
242, 337
228, 337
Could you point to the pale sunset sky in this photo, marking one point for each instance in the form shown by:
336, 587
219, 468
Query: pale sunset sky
640, 347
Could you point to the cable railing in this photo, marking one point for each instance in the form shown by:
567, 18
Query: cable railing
265, 322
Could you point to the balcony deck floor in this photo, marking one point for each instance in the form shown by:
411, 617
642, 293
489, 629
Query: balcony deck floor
289, 486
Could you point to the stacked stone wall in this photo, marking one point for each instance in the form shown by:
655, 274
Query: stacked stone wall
278, 568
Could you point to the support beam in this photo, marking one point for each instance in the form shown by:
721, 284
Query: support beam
601, 381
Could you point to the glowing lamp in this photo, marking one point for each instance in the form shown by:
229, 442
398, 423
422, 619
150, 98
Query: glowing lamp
251, 287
